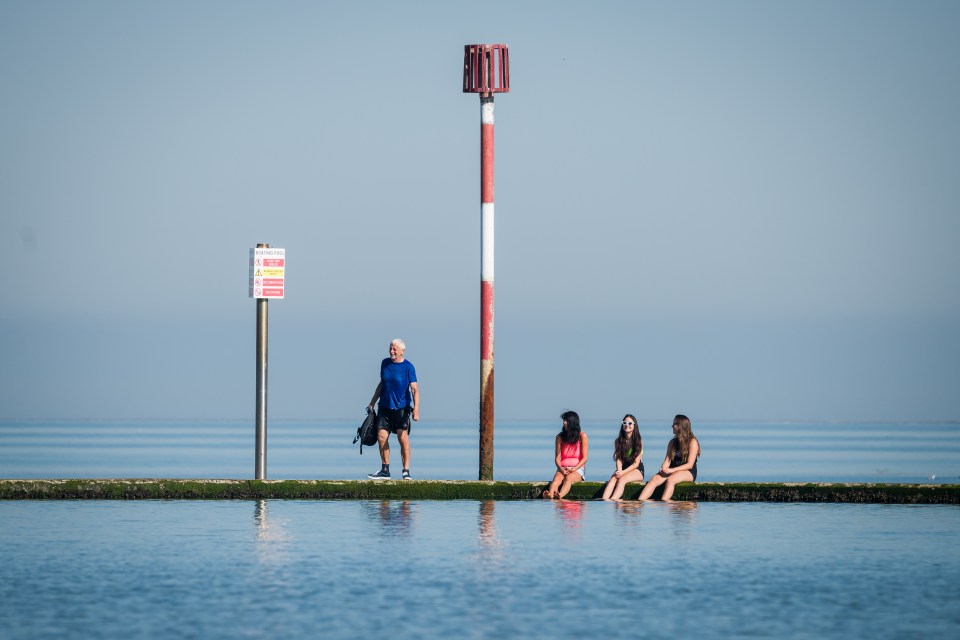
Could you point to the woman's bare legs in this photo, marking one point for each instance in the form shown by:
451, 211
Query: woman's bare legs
609, 487
631, 476
551, 491
654, 482
571, 478
673, 480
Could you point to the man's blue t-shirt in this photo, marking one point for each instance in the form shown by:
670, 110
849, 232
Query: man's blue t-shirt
396, 378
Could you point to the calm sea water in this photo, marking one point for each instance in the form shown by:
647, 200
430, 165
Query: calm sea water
465, 569
751, 452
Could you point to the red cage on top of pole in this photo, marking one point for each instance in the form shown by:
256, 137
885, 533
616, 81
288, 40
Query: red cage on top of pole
486, 68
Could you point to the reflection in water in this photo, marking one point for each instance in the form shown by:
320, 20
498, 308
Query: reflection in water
684, 507
684, 513
396, 517
272, 540
571, 511
261, 519
487, 533
629, 511
78, 570
491, 548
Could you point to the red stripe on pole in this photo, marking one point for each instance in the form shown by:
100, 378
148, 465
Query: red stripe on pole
486, 163
486, 320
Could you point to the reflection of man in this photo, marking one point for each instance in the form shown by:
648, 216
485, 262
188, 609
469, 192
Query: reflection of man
396, 517
399, 400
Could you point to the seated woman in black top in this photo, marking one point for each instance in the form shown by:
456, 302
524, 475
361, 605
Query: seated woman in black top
680, 463
628, 455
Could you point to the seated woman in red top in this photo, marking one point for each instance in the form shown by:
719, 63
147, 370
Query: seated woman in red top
571, 450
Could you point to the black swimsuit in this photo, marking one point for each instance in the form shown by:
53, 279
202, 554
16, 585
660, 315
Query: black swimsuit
639, 466
677, 460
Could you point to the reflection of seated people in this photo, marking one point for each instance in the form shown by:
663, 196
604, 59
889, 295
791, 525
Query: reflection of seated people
684, 514
630, 508
683, 507
572, 511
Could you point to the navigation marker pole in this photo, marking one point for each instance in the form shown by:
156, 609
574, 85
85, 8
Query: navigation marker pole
486, 71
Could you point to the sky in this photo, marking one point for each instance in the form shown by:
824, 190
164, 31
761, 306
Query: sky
744, 210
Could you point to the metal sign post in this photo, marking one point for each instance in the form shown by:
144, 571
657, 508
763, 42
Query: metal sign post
267, 270
260, 454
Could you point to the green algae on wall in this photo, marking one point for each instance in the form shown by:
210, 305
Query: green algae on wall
175, 489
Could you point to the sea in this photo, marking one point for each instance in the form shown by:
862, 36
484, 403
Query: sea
476, 569
730, 451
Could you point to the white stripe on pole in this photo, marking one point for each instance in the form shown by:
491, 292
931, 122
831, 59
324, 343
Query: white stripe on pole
486, 241
486, 112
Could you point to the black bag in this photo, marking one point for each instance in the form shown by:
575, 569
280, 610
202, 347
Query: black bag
367, 432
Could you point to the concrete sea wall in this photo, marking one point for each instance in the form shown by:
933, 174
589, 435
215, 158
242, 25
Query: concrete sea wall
178, 489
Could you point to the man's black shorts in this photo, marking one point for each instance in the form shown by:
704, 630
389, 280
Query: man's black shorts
394, 420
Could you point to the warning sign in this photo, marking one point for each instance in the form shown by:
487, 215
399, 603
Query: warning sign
267, 267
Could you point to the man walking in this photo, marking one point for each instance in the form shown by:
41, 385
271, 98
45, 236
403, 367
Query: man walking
399, 401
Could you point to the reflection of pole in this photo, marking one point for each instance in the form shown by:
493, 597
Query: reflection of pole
260, 455
260, 517
486, 287
486, 71
488, 525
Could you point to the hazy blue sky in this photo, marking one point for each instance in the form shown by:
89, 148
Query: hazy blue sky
734, 210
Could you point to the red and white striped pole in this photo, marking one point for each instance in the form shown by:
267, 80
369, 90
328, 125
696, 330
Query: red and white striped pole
486, 288
486, 71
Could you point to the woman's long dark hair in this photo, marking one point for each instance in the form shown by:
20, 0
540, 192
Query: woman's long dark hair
633, 444
570, 433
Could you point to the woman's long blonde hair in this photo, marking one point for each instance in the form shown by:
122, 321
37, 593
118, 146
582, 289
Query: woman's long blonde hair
683, 438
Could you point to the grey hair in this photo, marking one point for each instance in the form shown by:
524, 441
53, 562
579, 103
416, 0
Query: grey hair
400, 343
